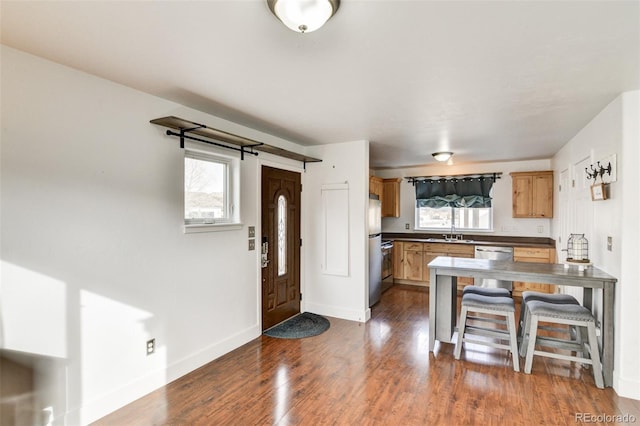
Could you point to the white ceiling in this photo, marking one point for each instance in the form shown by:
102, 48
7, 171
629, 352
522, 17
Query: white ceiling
491, 81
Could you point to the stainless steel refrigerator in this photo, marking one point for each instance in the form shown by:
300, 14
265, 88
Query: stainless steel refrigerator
375, 251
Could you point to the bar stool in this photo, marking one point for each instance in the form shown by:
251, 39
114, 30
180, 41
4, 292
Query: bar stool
493, 305
486, 291
574, 315
530, 296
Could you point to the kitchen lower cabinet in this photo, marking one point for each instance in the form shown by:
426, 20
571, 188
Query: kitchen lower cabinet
433, 250
411, 259
533, 255
408, 262
413, 265
412, 262
398, 260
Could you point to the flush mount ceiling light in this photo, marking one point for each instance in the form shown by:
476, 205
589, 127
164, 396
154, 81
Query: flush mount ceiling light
303, 16
442, 156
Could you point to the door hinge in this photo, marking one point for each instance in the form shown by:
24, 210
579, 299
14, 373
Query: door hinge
300, 187
301, 297
300, 242
573, 183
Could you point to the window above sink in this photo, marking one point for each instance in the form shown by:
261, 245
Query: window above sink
458, 219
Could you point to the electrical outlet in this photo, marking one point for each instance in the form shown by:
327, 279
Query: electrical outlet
151, 346
252, 245
406, 226
252, 232
540, 229
609, 243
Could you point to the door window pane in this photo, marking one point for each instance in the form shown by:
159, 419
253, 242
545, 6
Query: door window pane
282, 235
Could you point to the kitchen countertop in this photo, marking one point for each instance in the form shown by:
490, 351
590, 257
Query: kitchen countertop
476, 240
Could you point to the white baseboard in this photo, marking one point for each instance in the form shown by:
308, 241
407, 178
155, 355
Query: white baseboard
627, 388
336, 312
118, 398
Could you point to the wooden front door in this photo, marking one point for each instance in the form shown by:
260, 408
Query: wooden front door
281, 241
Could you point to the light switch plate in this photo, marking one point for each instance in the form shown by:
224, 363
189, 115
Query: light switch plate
252, 245
252, 232
609, 243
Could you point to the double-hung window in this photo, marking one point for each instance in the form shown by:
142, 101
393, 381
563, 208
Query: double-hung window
461, 203
462, 218
209, 189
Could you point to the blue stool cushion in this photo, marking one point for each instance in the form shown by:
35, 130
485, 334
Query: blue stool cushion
496, 303
530, 296
564, 311
486, 291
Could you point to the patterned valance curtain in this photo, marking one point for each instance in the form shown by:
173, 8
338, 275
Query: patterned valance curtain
468, 191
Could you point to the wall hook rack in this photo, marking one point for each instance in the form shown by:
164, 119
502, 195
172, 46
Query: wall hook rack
599, 170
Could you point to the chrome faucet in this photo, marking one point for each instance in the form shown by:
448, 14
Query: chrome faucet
452, 234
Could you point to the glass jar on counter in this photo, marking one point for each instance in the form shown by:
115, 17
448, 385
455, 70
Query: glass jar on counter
577, 249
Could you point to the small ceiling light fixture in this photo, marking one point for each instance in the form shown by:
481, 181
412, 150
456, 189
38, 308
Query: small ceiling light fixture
303, 16
442, 155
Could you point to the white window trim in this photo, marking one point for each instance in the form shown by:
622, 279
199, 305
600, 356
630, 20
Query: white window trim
232, 190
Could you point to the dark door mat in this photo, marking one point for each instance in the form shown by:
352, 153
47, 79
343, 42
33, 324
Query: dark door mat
303, 325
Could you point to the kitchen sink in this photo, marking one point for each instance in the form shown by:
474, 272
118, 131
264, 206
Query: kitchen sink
443, 240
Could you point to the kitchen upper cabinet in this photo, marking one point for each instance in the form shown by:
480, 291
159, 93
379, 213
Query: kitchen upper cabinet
533, 255
391, 197
375, 186
532, 194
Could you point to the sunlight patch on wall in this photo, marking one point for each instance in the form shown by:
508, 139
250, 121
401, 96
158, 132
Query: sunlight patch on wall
33, 312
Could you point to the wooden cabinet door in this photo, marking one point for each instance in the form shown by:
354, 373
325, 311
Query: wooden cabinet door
542, 200
532, 194
391, 196
398, 260
522, 196
375, 187
413, 265
427, 257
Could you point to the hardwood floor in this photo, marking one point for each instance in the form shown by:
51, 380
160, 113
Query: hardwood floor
378, 373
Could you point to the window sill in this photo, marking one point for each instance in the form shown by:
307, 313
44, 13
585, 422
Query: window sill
456, 231
211, 227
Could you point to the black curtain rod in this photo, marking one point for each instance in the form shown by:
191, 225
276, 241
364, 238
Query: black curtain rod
242, 149
414, 179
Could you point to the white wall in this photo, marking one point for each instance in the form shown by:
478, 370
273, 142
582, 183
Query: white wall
338, 296
613, 131
94, 257
503, 223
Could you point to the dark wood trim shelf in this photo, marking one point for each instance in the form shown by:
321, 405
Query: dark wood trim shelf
246, 145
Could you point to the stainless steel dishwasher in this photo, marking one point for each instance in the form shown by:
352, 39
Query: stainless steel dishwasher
493, 253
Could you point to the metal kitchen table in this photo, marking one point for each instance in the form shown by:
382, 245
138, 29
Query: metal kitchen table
443, 291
